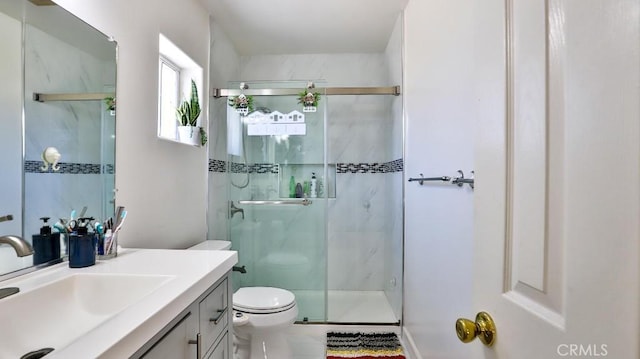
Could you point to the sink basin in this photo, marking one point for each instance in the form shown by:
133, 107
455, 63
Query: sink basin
57, 313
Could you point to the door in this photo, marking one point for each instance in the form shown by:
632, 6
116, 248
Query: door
278, 219
557, 168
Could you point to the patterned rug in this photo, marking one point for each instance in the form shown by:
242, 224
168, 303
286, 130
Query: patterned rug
363, 346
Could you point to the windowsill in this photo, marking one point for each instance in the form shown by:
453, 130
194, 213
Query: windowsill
175, 140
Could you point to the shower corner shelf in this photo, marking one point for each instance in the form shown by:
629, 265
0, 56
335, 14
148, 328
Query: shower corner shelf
302, 173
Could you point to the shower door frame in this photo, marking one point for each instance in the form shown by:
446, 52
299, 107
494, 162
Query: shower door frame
325, 91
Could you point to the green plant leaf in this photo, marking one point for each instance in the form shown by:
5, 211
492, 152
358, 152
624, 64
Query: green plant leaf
203, 136
194, 105
188, 111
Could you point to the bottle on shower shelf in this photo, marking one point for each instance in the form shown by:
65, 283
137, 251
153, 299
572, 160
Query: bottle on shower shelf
292, 187
320, 187
314, 185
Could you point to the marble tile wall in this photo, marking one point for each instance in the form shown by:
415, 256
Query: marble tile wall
364, 118
74, 128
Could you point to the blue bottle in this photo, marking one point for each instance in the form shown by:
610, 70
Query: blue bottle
46, 245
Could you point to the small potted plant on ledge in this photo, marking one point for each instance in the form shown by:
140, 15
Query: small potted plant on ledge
187, 115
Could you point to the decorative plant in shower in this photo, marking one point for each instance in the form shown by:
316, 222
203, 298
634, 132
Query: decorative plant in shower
187, 115
309, 100
242, 103
110, 102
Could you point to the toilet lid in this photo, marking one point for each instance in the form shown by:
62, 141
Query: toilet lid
263, 299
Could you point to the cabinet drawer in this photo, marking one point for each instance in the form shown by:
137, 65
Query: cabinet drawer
222, 349
214, 314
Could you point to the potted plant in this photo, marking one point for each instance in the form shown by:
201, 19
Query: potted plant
187, 115
242, 103
110, 102
309, 100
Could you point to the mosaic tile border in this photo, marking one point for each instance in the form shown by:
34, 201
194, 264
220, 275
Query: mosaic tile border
219, 166
69, 168
386, 167
261, 168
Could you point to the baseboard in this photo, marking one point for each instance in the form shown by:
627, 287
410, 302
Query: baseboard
409, 345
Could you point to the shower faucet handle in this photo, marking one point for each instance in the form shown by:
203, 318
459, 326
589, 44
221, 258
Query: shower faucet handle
233, 210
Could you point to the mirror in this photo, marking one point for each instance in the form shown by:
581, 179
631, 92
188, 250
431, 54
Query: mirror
59, 79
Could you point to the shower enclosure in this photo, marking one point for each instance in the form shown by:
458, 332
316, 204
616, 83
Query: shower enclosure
336, 243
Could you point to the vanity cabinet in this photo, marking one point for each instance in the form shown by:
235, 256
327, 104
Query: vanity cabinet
203, 330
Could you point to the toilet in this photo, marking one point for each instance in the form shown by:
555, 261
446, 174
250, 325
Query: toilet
260, 317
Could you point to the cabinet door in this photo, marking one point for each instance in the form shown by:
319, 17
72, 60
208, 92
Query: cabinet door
222, 349
175, 344
214, 315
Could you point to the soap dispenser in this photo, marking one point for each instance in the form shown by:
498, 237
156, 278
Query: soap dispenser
82, 246
46, 245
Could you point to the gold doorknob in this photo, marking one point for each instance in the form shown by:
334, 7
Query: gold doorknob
483, 328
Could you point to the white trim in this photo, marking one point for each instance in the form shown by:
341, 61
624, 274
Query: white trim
411, 351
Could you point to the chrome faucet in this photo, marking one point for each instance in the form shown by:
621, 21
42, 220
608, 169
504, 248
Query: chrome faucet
22, 247
233, 210
8, 217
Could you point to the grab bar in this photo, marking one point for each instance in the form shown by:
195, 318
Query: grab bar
422, 179
303, 202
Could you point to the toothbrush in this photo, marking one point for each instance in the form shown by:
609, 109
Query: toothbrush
98, 227
115, 231
120, 221
60, 227
118, 214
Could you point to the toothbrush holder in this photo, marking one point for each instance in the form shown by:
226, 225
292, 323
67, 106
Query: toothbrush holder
109, 246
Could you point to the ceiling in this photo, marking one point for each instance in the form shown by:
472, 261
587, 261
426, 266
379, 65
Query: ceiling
266, 27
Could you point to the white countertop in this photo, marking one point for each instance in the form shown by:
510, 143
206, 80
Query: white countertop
191, 274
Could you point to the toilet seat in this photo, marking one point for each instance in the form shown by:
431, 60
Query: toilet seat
263, 300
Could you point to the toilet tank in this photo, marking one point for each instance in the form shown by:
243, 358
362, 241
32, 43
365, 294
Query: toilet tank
212, 245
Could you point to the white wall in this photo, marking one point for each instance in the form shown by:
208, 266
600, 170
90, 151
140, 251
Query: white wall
162, 184
439, 100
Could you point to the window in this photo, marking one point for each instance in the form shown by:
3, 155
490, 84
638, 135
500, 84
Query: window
169, 95
175, 72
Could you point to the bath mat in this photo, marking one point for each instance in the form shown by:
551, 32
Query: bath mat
363, 346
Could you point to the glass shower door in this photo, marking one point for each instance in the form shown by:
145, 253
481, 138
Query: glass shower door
277, 223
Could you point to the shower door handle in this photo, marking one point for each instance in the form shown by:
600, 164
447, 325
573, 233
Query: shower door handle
303, 202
